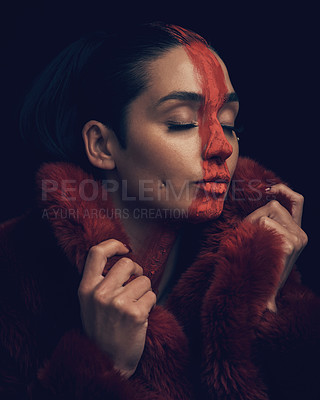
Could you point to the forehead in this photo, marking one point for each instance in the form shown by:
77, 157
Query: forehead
177, 70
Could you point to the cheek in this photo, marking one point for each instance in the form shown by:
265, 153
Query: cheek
233, 159
163, 155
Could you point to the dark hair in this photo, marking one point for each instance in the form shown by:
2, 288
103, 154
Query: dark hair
96, 77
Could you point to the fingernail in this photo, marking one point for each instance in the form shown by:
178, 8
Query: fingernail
128, 247
267, 189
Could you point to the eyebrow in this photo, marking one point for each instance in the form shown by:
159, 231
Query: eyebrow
182, 96
195, 97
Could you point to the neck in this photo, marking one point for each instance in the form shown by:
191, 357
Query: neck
141, 226
151, 239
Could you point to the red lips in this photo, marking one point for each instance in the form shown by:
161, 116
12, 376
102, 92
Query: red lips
216, 179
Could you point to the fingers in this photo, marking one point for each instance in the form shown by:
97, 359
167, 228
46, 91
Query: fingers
275, 211
288, 225
133, 301
293, 244
121, 272
283, 222
97, 258
147, 301
291, 240
134, 291
295, 198
138, 291
138, 287
137, 311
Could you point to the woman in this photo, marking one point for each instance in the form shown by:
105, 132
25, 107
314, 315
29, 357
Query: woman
156, 264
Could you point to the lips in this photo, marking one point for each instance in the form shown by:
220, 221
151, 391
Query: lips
217, 184
215, 179
213, 187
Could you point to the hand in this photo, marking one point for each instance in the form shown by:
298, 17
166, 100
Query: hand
274, 216
114, 316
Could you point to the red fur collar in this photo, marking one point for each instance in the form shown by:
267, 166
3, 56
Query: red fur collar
82, 215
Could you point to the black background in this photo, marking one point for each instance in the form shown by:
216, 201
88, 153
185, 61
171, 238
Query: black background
271, 53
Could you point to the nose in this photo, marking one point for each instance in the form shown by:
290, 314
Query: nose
216, 145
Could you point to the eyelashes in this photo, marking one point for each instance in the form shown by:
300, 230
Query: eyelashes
177, 126
230, 129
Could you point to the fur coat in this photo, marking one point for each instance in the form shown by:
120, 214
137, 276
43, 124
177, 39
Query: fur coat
212, 339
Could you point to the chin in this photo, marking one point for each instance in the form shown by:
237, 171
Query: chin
203, 211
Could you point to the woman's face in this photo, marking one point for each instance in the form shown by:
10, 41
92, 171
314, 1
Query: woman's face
177, 155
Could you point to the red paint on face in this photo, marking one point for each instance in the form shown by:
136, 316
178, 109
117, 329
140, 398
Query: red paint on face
208, 203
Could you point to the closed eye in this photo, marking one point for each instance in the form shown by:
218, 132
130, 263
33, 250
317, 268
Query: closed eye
230, 129
175, 126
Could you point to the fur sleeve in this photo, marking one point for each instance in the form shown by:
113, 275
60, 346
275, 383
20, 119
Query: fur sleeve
245, 346
79, 370
288, 343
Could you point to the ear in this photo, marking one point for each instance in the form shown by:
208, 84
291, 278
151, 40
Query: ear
96, 137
